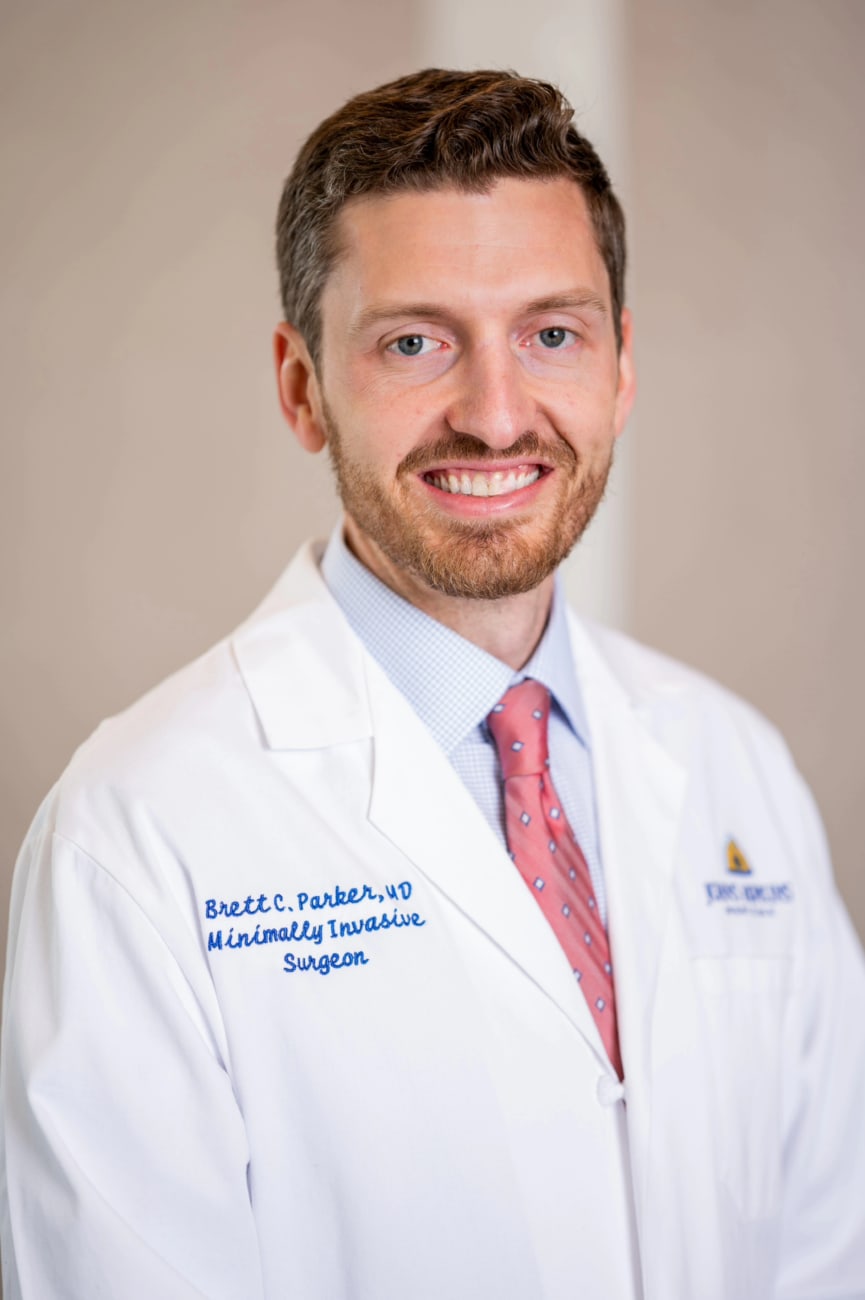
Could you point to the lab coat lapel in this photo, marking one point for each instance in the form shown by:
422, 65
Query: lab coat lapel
640, 793
422, 806
301, 664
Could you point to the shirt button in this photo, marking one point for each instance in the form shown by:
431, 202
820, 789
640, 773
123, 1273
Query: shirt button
610, 1090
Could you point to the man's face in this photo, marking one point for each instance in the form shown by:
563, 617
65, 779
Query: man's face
469, 387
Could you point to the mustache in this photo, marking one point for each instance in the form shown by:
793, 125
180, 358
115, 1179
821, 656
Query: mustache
464, 446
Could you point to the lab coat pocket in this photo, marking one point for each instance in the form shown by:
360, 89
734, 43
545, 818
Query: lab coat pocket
742, 1007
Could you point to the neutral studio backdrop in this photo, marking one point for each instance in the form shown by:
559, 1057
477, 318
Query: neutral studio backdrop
151, 494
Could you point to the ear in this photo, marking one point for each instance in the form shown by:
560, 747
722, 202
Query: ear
299, 394
626, 389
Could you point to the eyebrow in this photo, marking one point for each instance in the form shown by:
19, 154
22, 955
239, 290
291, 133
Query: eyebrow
578, 299
394, 311
564, 301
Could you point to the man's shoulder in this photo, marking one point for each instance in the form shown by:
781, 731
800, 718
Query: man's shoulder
177, 726
196, 723
672, 696
642, 670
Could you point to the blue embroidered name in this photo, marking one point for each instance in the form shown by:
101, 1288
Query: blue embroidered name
307, 931
346, 897
258, 904
249, 906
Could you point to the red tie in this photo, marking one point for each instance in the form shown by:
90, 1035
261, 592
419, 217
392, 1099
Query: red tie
546, 851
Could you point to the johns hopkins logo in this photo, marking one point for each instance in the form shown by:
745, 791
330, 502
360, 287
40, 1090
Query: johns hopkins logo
742, 895
736, 860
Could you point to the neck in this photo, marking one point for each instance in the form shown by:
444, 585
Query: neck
509, 628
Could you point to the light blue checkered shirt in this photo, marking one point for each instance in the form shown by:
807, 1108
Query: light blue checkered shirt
452, 685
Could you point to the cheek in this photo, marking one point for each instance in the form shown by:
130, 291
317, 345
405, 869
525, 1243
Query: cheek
400, 424
370, 440
588, 424
382, 420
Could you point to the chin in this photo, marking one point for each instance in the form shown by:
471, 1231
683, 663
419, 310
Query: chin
490, 562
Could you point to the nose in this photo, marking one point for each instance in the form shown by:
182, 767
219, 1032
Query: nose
492, 401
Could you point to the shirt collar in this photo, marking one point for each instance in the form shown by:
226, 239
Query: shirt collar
451, 683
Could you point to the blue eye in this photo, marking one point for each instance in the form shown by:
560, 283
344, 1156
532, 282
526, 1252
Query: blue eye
410, 345
554, 337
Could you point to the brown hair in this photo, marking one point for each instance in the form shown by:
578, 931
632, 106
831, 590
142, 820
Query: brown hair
430, 130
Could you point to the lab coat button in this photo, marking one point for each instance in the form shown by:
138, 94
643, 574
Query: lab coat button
609, 1090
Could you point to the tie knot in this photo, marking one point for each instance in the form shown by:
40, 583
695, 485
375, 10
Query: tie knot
518, 725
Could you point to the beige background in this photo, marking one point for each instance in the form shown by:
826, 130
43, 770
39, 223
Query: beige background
149, 491
748, 527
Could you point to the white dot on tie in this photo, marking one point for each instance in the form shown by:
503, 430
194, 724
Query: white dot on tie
499, 708
552, 846
587, 937
600, 1004
525, 818
539, 884
608, 968
572, 873
579, 974
517, 746
554, 812
566, 911
591, 903
536, 713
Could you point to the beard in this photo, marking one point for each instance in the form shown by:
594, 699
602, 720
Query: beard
474, 559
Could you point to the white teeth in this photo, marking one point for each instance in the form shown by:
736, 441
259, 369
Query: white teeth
483, 485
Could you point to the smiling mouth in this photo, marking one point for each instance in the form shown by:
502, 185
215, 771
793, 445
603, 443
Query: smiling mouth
477, 483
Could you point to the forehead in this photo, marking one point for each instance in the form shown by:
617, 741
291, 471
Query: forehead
520, 238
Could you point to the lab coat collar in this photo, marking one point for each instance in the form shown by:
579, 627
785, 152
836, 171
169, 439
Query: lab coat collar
298, 635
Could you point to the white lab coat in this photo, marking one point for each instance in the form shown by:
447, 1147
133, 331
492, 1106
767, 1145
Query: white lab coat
426, 1112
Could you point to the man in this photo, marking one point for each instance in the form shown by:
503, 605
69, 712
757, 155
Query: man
421, 941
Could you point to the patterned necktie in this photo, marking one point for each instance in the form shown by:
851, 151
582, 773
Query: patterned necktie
545, 850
